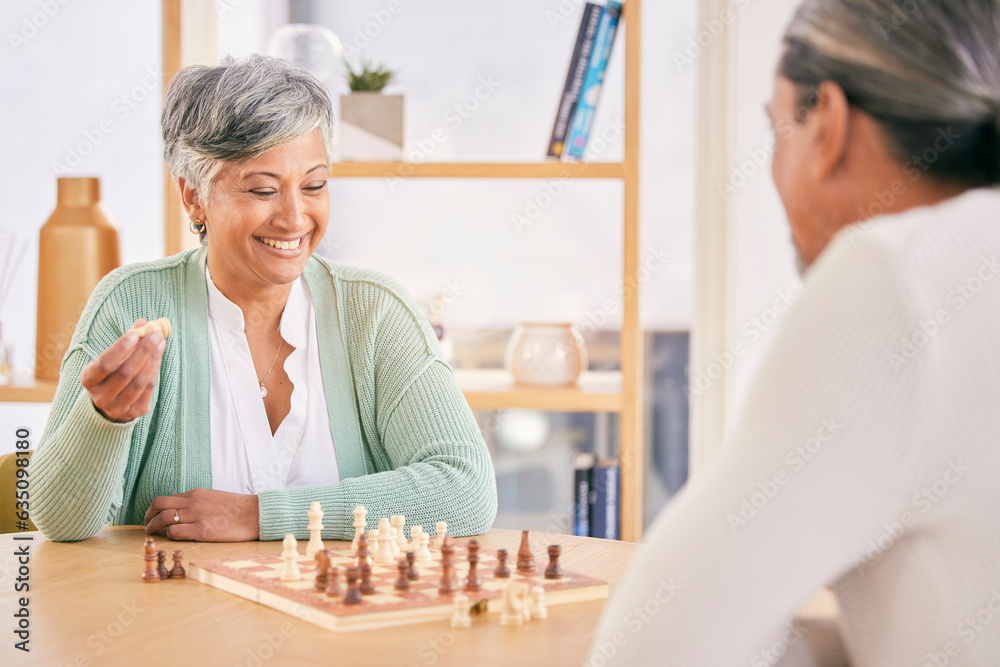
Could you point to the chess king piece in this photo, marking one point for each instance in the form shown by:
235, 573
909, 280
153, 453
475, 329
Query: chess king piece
398, 522
538, 609
359, 527
554, 571
402, 582
525, 560
411, 566
473, 582
290, 554
315, 529
442, 532
353, 594
322, 565
178, 571
333, 588
150, 574
461, 618
383, 555
161, 565
447, 586
511, 610
501, 571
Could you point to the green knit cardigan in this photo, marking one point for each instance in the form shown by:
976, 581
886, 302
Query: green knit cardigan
406, 440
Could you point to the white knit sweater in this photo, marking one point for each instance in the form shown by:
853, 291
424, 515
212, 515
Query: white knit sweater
867, 458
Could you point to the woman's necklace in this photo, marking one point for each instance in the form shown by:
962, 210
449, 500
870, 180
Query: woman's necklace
263, 389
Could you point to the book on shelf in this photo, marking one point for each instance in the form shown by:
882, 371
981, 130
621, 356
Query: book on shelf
590, 93
597, 493
574, 77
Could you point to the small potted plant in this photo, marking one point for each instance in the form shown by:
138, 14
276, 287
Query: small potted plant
371, 127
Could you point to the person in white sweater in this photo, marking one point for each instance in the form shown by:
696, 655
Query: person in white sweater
867, 457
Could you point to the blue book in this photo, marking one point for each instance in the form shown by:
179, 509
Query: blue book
583, 464
574, 79
590, 93
604, 500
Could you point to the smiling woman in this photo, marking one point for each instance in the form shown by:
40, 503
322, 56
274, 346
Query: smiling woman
289, 379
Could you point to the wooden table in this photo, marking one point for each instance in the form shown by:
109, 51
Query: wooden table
89, 607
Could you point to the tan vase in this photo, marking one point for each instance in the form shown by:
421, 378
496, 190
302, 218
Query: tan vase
77, 247
546, 354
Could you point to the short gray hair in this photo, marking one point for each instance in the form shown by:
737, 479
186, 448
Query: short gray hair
239, 110
919, 67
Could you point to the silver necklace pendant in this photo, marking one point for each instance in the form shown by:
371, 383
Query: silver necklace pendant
263, 390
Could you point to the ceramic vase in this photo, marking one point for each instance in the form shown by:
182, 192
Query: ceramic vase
546, 354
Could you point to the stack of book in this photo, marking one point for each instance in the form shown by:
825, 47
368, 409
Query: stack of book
582, 89
596, 487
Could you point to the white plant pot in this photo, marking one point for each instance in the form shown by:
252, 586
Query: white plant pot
548, 355
371, 127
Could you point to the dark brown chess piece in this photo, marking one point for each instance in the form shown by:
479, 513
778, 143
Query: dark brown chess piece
178, 571
161, 565
502, 571
447, 586
322, 565
474, 582
353, 594
525, 559
411, 564
367, 587
333, 588
363, 555
402, 583
553, 571
149, 575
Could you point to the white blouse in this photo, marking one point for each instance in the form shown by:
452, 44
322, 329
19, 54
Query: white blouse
246, 458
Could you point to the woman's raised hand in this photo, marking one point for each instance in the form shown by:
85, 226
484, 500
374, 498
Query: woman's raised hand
121, 381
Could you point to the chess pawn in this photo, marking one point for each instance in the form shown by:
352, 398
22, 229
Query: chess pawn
315, 529
363, 554
372, 542
398, 522
353, 594
554, 571
501, 571
383, 554
525, 559
411, 567
442, 532
424, 554
473, 582
460, 617
511, 603
178, 571
161, 565
367, 586
290, 555
414, 542
538, 609
322, 565
150, 575
403, 582
359, 527
333, 588
393, 543
447, 586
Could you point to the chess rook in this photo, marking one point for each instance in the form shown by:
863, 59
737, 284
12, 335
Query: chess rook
525, 559
554, 571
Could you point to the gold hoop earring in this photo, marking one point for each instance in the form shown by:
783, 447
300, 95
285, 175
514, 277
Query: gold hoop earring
197, 226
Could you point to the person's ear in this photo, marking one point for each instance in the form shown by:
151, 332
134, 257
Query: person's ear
831, 123
192, 202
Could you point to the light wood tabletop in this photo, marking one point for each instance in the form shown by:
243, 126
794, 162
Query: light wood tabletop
88, 606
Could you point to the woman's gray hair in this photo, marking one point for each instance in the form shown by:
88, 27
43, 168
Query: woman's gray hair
239, 110
925, 69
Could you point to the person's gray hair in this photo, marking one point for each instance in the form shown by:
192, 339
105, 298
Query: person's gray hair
922, 68
237, 111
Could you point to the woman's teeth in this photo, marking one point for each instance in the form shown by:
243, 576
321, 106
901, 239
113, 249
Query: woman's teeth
282, 245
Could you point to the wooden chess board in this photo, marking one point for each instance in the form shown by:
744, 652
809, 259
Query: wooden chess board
258, 578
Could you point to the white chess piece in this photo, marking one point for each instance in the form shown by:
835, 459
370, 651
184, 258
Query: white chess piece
398, 522
392, 542
359, 527
423, 551
442, 530
384, 556
511, 612
538, 609
290, 554
461, 618
315, 529
526, 602
414, 542
372, 543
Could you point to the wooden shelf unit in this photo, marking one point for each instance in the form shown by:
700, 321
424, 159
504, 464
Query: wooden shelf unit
489, 389
614, 170
42, 391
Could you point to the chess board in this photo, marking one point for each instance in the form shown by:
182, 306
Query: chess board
258, 578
